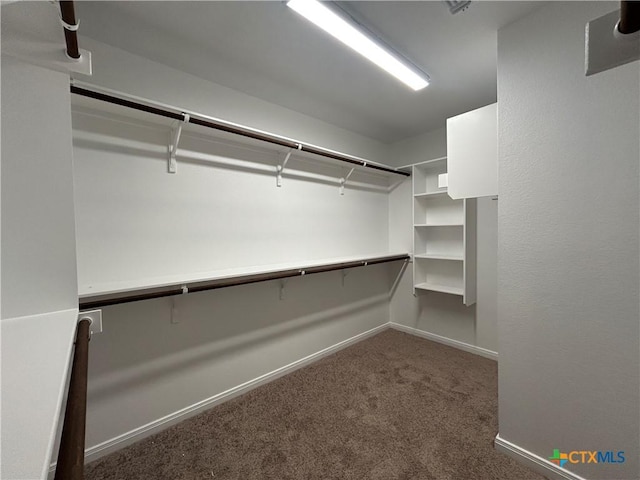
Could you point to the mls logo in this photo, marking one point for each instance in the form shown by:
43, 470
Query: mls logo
559, 458
586, 456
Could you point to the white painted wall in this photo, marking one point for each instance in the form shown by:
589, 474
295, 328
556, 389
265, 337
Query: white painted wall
38, 230
487, 281
39, 287
119, 70
438, 313
220, 211
144, 368
429, 145
135, 221
568, 288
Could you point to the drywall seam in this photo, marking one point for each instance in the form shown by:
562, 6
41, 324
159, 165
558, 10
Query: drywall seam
534, 461
483, 352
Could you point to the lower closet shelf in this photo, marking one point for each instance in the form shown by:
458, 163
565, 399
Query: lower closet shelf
439, 256
440, 288
112, 294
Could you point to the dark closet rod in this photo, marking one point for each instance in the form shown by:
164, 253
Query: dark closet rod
231, 128
70, 464
70, 25
629, 17
104, 300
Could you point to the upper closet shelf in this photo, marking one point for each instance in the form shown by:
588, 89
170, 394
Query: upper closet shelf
182, 117
96, 296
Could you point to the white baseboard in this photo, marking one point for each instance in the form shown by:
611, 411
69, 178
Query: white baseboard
137, 434
483, 352
533, 461
156, 426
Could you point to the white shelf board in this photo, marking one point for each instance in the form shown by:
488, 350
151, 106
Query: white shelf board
440, 288
436, 256
33, 387
92, 290
430, 194
438, 225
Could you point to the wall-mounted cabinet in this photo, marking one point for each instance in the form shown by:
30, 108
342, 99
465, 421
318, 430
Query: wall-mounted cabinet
444, 235
472, 152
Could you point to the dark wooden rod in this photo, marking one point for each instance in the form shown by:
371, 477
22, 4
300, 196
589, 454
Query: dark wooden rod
242, 280
100, 301
70, 464
231, 128
243, 132
629, 17
68, 15
335, 156
125, 103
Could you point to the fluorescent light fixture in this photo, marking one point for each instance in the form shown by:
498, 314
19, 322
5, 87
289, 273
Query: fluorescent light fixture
326, 19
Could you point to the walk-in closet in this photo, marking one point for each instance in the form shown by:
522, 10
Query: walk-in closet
312, 239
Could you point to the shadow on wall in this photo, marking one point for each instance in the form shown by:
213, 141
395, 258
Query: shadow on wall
140, 343
447, 316
145, 141
434, 312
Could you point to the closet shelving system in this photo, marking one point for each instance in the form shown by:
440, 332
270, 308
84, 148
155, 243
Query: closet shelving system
97, 296
444, 235
116, 293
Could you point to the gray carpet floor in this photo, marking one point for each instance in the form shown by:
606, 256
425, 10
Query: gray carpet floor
391, 407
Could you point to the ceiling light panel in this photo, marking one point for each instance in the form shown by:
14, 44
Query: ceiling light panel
354, 38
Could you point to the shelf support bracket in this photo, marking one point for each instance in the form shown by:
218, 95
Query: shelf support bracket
175, 312
398, 278
344, 180
280, 168
174, 138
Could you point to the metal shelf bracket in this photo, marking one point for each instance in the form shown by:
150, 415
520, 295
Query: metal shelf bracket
175, 311
343, 181
174, 138
280, 168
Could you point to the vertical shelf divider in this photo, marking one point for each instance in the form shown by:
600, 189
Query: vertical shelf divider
444, 235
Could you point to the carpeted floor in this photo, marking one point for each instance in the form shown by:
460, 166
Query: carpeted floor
391, 407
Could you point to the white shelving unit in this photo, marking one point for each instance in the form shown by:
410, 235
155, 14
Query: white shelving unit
444, 236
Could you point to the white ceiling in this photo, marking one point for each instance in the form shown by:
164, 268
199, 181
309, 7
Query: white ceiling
266, 50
